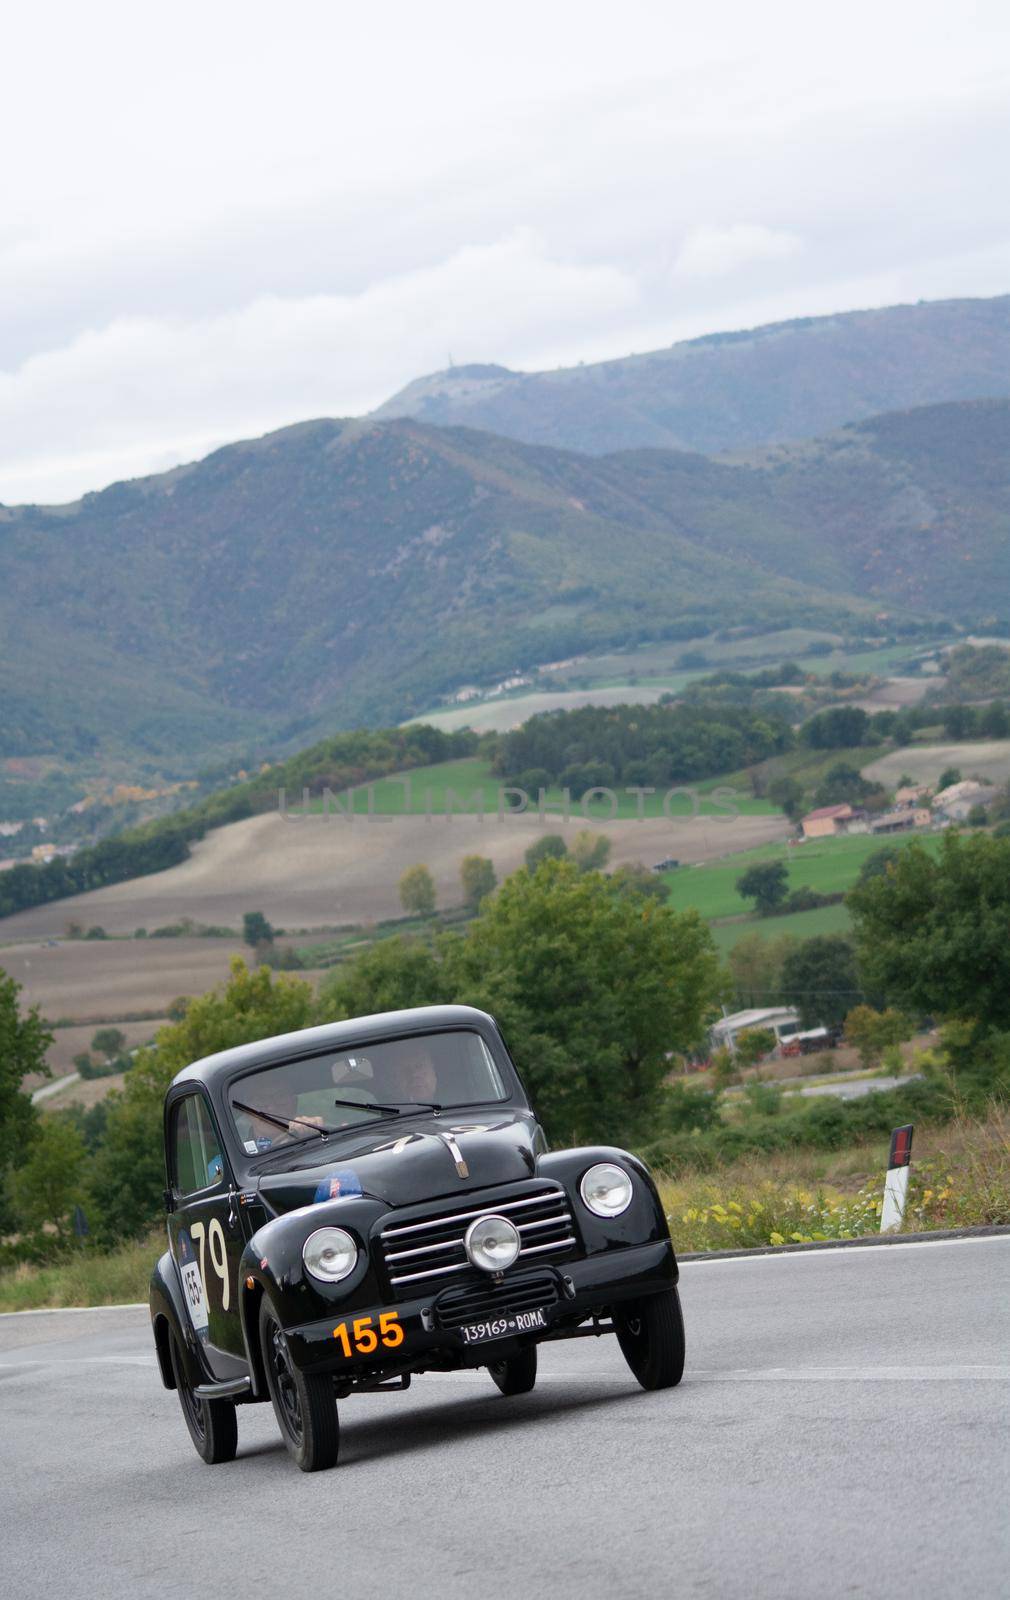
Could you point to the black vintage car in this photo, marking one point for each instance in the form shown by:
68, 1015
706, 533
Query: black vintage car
352, 1205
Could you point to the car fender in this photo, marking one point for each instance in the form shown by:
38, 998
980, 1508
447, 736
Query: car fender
272, 1265
642, 1223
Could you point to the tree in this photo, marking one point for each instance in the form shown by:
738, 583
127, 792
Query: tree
551, 847
880, 863
417, 891
872, 1032
24, 1041
391, 976
593, 988
590, 851
755, 963
634, 878
108, 1042
128, 1174
932, 936
820, 978
752, 1044
844, 784
839, 728
787, 793
50, 1182
256, 930
948, 776
477, 875
766, 884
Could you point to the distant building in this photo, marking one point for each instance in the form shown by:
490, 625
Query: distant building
910, 794
9, 829
826, 821
43, 852
782, 1021
955, 802
904, 820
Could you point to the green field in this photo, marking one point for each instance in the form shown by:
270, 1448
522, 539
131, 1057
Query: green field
469, 787
830, 866
801, 924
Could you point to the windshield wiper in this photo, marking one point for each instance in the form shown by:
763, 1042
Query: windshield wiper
321, 1128
369, 1105
425, 1105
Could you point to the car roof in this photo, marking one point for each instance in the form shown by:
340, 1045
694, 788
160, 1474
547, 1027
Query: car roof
213, 1071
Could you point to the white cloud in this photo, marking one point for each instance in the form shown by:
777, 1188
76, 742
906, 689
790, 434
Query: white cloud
146, 391
321, 203
709, 252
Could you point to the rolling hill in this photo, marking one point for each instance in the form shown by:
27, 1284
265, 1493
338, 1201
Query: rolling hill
336, 573
731, 391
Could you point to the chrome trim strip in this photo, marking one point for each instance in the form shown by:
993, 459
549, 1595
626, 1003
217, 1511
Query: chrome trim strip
424, 1250
555, 1244
451, 1217
562, 1218
436, 1272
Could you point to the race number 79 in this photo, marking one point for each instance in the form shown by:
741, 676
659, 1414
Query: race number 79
214, 1236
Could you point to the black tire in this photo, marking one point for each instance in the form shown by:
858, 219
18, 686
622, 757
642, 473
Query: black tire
304, 1402
212, 1424
651, 1336
516, 1374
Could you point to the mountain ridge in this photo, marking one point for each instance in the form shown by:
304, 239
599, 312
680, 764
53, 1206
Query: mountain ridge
729, 391
335, 572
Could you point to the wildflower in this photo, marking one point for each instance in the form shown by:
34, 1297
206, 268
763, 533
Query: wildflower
776, 1238
735, 1206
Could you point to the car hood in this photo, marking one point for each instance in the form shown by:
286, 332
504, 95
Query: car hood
423, 1159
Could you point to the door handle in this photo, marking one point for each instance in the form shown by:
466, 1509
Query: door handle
232, 1214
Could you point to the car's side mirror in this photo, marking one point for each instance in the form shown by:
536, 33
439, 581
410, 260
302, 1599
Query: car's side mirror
169, 1199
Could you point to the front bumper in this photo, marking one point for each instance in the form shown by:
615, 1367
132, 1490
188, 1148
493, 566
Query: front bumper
585, 1288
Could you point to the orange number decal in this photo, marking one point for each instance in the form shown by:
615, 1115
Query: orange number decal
365, 1340
389, 1327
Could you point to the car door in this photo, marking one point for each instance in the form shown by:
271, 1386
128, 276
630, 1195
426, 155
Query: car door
206, 1232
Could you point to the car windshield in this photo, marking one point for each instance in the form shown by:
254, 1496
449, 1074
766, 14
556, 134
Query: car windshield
297, 1101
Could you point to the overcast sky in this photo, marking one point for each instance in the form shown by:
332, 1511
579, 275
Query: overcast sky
220, 218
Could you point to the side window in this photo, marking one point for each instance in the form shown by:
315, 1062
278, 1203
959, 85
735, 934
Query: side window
196, 1154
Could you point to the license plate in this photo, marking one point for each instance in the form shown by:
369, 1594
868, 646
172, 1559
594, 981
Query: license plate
504, 1327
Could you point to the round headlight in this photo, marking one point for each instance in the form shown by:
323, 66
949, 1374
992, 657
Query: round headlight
329, 1254
492, 1243
606, 1190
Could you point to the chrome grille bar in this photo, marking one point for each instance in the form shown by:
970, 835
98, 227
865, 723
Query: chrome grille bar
452, 1217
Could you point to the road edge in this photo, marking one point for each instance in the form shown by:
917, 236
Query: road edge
867, 1241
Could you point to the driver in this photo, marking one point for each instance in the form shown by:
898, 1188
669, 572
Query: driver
413, 1078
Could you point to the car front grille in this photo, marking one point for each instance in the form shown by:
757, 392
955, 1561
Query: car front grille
483, 1301
427, 1251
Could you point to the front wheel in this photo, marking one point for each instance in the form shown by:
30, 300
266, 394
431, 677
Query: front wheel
651, 1336
516, 1374
304, 1403
212, 1424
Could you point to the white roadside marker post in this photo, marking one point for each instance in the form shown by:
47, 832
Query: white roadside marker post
892, 1213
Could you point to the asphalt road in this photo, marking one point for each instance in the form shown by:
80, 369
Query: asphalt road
843, 1429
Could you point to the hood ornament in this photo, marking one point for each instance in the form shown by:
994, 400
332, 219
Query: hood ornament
454, 1150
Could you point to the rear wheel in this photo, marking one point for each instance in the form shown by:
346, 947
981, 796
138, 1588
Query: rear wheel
651, 1336
516, 1374
212, 1424
304, 1402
